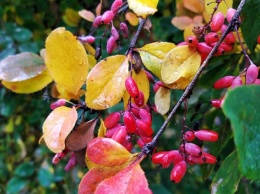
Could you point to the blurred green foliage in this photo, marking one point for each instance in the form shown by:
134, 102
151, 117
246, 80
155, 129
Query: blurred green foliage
26, 166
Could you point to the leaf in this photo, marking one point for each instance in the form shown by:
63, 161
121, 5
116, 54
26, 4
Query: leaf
130, 180
25, 169
250, 27
143, 8
102, 129
22, 34
227, 177
104, 79
57, 127
132, 18
107, 152
16, 185
87, 15
244, 118
71, 17
80, 157
162, 100
143, 85
66, 60
81, 136
181, 22
21, 67
31, 85
194, 6
179, 66
223, 6
153, 54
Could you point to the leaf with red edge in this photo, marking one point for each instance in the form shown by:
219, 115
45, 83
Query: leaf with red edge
57, 126
130, 180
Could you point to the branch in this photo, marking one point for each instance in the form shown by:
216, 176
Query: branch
148, 148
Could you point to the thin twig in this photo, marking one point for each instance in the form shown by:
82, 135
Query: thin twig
148, 148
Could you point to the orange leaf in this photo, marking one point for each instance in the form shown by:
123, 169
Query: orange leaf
181, 22
99, 8
132, 18
87, 15
130, 180
194, 6
57, 126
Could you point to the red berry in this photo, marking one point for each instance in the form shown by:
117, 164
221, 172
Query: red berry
257, 81
224, 82
124, 29
178, 171
116, 5
114, 33
230, 39
156, 87
236, 82
145, 139
120, 135
112, 120
139, 100
217, 22
149, 76
223, 28
192, 41
58, 103
258, 39
110, 132
192, 149
189, 136
195, 160
211, 37
56, 159
97, 21
145, 116
208, 158
86, 39
206, 135
107, 17
176, 156
131, 87
157, 157
129, 121
144, 128
111, 45
163, 158
127, 143
72, 162
217, 103
140, 143
251, 74
204, 48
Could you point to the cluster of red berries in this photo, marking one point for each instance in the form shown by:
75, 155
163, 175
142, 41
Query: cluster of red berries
205, 42
137, 120
107, 19
188, 154
251, 75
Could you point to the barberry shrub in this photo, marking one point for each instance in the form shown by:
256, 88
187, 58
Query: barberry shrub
105, 117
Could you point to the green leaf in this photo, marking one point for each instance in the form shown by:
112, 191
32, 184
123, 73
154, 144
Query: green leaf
22, 34
45, 177
251, 25
16, 185
25, 169
242, 107
228, 176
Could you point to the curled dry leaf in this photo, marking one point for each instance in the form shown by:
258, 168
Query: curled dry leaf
179, 67
104, 79
57, 127
162, 100
143, 8
81, 135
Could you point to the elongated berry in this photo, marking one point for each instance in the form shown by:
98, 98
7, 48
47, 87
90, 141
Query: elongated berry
110, 132
230, 13
258, 39
224, 82
114, 33
124, 29
257, 82
236, 82
116, 5
192, 149
208, 158
149, 76
176, 156
131, 87
86, 39
217, 103
206, 135
111, 45
112, 120
230, 39
145, 116
144, 128
157, 157
58, 103
127, 143
97, 21
204, 48
219, 52
192, 41
251, 74
178, 172
56, 159
129, 121
189, 136
139, 100
146, 139
120, 134
195, 160
72, 162
107, 17
217, 22
140, 143
211, 37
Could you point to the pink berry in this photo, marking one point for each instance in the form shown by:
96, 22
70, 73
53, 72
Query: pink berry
251, 74
149, 76
230, 13
114, 33
144, 128
72, 162
97, 21
129, 121
189, 136
124, 29
195, 160
204, 48
176, 156
86, 39
236, 82
192, 41
224, 82
139, 100
112, 120
178, 172
230, 39
116, 5
211, 37
111, 45
58, 103
217, 22
120, 134
208, 158
107, 17
110, 132
206, 135
131, 87
145, 116
192, 149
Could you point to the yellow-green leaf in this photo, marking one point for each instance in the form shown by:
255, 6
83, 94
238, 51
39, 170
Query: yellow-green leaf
223, 6
57, 127
66, 60
21, 67
179, 66
102, 129
162, 100
106, 82
153, 54
30, 85
71, 17
143, 8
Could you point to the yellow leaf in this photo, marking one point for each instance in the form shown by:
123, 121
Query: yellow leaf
143, 85
223, 6
92, 61
132, 18
194, 6
71, 17
153, 54
102, 129
57, 126
106, 82
162, 100
179, 66
143, 8
87, 15
30, 85
66, 60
